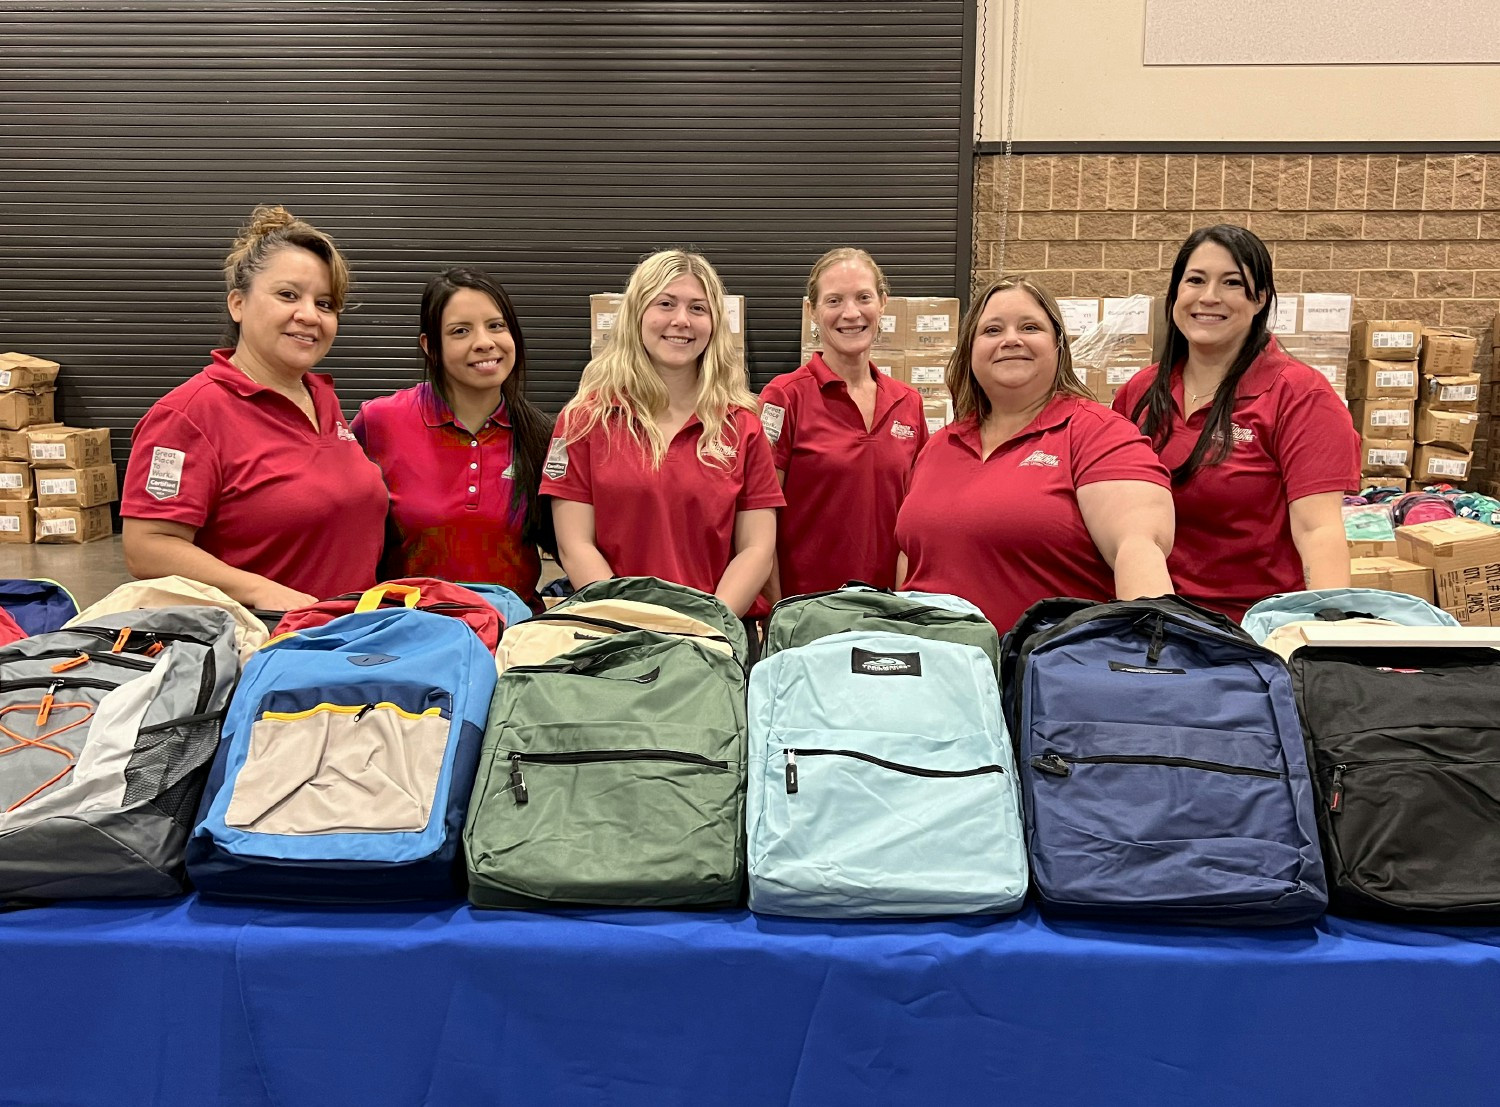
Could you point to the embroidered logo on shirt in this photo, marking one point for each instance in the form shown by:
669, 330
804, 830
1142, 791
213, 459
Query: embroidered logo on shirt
556, 466
344, 433
772, 417
1241, 434
510, 472
1041, 457
165, 479
901, 430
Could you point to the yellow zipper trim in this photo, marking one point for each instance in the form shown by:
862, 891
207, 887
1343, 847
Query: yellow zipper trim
349, 709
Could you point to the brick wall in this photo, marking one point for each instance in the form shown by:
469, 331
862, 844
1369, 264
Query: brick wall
1409, 236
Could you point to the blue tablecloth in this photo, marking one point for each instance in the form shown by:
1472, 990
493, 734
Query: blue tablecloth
195, 1002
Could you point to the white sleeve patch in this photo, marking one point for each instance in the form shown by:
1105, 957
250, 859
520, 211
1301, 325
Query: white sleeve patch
772, 418
165, 478
556, 466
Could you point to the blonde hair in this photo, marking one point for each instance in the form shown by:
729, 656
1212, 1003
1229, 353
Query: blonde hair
270, 230
622, 387
968, 398
842, 254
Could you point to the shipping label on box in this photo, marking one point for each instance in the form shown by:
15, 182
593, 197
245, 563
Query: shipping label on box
1382, 380
1284, 315
77, 487
604, 310
1079, 314
892, 363
61, 447
27, 407
932, 322
17, 520
1447, 353
1383, 419
1327, 312
15, 481
72, 524
1386, 459
924, 369
1133, 318
1451, 393
1391, 574
1447, 428
1386, 339
1438, 463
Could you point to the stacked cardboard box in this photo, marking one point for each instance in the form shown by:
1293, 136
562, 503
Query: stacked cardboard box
915, 340
1314, 328
1447, 416
1113, 339
74, 482
1382, 384
28, 391
1464, 556
1392, 574
604, 310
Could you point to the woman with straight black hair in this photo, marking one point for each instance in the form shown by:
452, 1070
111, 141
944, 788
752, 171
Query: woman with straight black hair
1260, 447
462, 452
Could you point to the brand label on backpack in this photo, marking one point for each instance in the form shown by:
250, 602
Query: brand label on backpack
884, 664
1147, 670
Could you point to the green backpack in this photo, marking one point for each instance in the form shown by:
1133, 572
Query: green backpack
613, 775
798, 620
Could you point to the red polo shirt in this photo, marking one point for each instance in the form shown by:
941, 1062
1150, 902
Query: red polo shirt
844, 484
1006, 531
450, 492
1293, 437
266, 491
676, 522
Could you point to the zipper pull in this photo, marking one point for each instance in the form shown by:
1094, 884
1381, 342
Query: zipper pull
153, 649
791, 772
1158, 640
517, 781
71, 663
363, 711
119, 646
1336, 790
1052, 764
44, 709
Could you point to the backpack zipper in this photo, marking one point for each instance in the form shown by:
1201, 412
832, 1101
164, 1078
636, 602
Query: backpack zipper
209, 675
80, 656
591, 757
895, 766
1055, 764
622, 628
571, 670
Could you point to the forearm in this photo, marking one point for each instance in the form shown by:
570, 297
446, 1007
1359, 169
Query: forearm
743, 579
163, 555
1325, 556
772, 589
1140, 567
583, 563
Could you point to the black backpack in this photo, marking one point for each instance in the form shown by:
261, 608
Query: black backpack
1404, 748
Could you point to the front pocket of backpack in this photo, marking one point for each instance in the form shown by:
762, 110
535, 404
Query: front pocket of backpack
1418, 833
617, 827
341, 769
1141, 813
842, 824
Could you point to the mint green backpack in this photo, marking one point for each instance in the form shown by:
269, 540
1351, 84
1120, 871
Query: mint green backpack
613, 775
798, 620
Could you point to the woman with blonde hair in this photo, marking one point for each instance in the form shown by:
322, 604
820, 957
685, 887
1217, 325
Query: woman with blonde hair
246, 476
659, 466
843, 436
1034, 490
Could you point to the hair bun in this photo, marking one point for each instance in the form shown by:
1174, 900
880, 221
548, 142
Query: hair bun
265, 219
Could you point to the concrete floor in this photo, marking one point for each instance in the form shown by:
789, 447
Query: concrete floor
92, 570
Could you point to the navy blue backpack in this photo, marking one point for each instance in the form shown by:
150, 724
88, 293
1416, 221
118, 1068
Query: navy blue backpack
38, 606
1162, 765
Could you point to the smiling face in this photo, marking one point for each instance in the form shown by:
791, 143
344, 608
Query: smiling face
677, 325
286, 318
847, 310
1215, 306
479, 350
1014, 355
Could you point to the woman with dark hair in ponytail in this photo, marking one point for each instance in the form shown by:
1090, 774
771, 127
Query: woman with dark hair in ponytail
462, 452
1260, 447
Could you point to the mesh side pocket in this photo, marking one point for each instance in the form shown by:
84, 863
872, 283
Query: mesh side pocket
169, 766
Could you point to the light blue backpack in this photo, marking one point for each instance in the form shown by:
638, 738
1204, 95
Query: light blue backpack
1338, 604
881, 781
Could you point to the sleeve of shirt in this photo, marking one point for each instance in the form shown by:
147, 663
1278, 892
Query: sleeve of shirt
1108, 446
923, 434
759, 487
174, 472
567, 471
360, 428
779, 420
1316, 446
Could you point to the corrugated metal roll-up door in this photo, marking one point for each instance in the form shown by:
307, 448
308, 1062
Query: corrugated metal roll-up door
553, 144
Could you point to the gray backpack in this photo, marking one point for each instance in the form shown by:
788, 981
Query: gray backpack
107, 732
